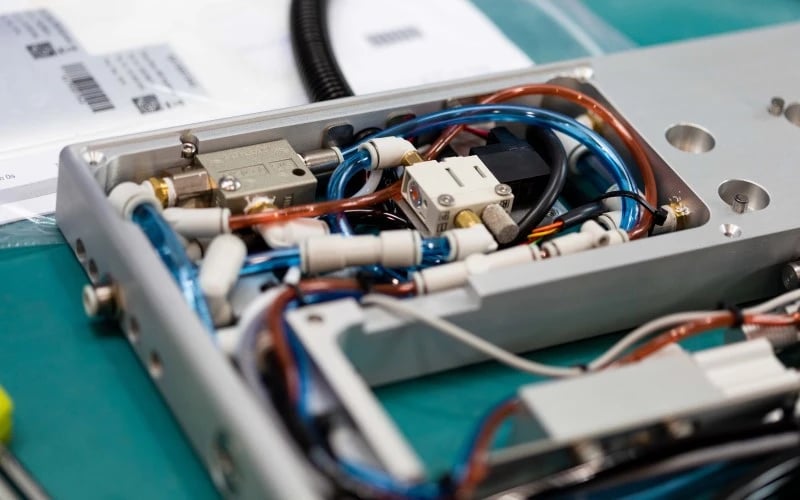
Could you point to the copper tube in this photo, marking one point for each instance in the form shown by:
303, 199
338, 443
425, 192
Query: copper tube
315, 209
628, 136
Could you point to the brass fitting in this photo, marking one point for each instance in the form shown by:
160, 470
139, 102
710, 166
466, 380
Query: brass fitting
410, 158
466, 218
161, 190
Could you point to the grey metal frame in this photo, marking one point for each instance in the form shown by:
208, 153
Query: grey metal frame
722, 84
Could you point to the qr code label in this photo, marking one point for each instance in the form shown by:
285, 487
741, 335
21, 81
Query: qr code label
41, 50
147, 103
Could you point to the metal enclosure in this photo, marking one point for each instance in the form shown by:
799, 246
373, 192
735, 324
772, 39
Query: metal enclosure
700, 106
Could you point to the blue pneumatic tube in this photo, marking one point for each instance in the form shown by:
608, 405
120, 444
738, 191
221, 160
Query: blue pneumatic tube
609, 158
173, 255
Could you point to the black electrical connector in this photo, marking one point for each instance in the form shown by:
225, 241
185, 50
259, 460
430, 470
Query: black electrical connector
514, 162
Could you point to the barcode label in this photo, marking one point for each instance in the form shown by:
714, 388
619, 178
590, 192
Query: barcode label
86, 87
393, 36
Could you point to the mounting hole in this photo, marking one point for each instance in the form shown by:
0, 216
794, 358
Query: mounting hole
133, 330
690, 138
154, 365
80, 250
94, 157
314, 318
299, 172
735, 191
792, 113
730, 230
94, 272
223, 467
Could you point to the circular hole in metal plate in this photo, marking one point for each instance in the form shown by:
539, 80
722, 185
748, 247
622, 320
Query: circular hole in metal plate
154, 365
94, 272
730, 230
133, 330
690, 138
80, 250
743, 195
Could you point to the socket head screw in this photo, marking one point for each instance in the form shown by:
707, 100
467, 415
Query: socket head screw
229, 183
446, 200
502, 189
188, 150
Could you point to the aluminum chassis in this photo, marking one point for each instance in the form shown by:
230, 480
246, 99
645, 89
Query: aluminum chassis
723, 84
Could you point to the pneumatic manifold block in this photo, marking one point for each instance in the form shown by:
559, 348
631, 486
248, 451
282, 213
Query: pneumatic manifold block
437, 191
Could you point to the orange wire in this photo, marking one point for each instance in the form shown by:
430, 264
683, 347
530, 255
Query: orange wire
315, 209
477, 468
274, 318
625, 133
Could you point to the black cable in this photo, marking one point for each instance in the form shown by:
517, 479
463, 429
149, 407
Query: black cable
765, 479
546, 143
595, 208
311, 45
375, 219
651, 456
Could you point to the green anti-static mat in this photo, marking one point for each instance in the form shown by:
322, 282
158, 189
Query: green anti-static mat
89, 424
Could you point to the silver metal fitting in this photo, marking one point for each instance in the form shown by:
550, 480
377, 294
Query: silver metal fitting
100, 301
446, 200
502, 189
188, 150
229, 183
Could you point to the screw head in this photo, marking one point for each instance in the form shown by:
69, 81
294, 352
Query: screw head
776, 106
502, 189
446, 200
188, 150
229, 183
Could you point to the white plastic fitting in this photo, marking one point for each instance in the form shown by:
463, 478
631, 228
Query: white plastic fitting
591, 235
126, 196
219, 272
386, 152
468, 241
198, 222
670, 225
455, 274
293, 232
399, 248
573, 148
610, 220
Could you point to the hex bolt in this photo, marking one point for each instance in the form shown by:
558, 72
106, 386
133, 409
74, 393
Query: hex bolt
446, 200
229, 183
776, 106
502, 189
99, 301
740, 202
188, 150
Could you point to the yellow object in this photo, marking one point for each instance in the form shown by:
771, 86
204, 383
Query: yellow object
467, 218
6, 408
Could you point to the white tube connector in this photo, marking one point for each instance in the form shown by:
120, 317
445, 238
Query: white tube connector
468, 241
670, 225
126, 196
292, 233
198, 222
399, 248
591, 235
455, 274
573, 148
218, 274
387, 152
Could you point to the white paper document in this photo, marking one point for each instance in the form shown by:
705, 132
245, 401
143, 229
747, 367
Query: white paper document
77, 70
